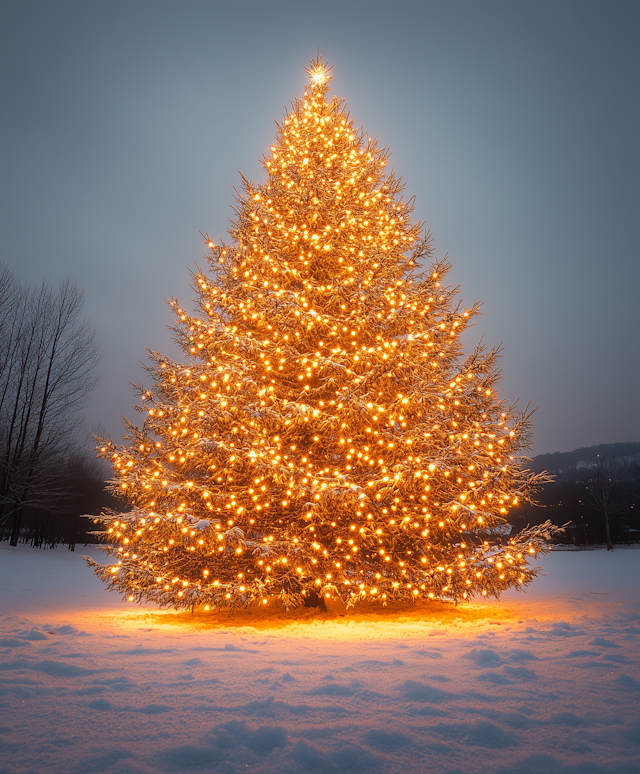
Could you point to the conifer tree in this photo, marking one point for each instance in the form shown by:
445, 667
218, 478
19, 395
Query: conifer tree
326, 433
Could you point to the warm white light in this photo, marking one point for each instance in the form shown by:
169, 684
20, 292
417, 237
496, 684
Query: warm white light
318, 76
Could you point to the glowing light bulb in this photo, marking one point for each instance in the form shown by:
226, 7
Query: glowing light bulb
319, 75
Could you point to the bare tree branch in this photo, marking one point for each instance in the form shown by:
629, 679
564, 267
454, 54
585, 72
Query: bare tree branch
48, 357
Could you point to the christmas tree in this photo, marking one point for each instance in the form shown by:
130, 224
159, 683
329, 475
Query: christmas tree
325, 434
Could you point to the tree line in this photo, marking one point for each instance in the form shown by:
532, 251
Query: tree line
595, 492
48, 360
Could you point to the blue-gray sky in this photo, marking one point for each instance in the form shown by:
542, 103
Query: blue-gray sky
515, 124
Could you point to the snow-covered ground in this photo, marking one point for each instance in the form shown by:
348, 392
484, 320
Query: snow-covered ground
543, 681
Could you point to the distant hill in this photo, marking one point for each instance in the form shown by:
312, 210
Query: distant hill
597, 504
559, 461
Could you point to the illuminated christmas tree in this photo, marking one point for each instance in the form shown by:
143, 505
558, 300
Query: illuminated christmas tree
326, 433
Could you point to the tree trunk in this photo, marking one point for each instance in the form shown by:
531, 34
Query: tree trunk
607, 530
605, 513
74, 533
15, 527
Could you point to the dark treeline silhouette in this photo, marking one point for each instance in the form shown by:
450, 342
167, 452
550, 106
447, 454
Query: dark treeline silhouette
64, 520
559, 461
48, 357
595, 491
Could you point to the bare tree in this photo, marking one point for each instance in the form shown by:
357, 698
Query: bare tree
602, 487
48, 356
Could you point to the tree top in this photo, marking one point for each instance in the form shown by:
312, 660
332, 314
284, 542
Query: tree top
318, 73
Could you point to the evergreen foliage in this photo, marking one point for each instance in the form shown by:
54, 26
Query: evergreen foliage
325, 433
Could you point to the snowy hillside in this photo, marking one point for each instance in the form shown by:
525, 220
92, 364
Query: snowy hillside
544, 681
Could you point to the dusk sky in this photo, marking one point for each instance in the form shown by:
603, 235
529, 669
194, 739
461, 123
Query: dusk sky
515, 125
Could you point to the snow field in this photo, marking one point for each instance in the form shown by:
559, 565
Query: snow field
542, 681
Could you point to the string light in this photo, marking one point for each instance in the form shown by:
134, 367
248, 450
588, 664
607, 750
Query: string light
325, 432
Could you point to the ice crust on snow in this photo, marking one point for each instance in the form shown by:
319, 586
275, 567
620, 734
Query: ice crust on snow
546, 681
